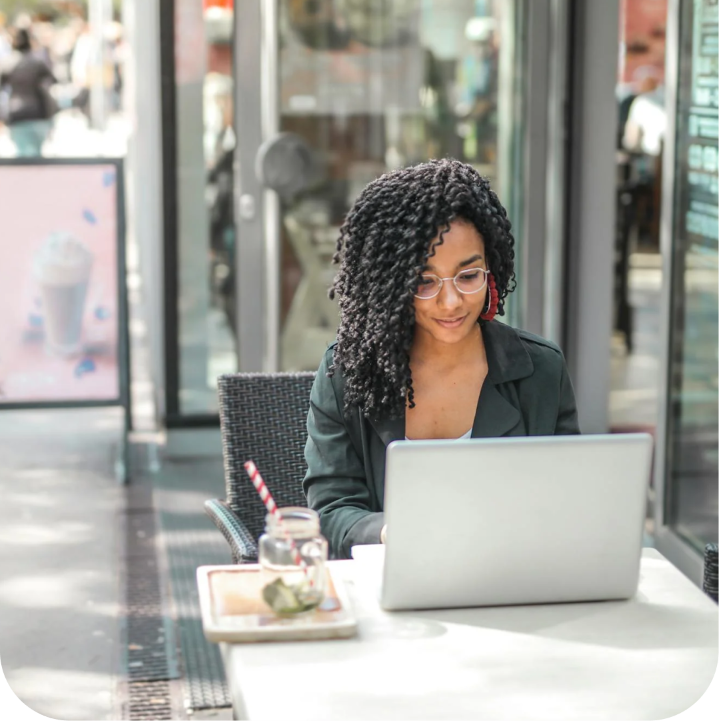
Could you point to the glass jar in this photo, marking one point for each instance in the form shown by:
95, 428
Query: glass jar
286, 587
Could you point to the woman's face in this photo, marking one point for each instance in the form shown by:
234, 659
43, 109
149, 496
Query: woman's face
451, 316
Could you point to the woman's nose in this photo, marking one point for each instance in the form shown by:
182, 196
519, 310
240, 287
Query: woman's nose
449, 296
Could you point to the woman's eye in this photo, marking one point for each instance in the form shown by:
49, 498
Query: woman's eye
426, 281
468, 277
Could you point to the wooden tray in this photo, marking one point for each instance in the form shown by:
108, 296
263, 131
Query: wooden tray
233, 609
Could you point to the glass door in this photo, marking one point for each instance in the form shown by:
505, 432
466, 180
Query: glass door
687, 473
199, 155
333, 94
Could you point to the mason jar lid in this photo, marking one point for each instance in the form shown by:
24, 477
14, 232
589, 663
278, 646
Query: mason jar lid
297, 522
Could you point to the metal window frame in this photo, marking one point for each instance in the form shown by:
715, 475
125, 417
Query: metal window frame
541, 261
143, 174
169, 213
590, 200
174, 418
667, 541
256, 208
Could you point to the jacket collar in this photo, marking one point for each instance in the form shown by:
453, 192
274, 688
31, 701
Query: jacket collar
507, 360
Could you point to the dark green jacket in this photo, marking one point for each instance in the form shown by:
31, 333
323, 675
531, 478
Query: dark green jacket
527, 392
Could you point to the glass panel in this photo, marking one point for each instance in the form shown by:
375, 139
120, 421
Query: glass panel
636, 341
692, 439
373, 86
205, 218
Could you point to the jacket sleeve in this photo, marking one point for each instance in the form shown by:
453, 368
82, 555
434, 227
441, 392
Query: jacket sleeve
567, 420
335, 483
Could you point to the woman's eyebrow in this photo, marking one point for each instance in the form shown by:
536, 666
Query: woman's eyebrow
470, 260
464, 263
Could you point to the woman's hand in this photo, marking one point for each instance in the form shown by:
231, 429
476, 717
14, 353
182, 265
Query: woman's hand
383, 534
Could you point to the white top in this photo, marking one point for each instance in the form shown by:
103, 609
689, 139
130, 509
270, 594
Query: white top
646, 125
468, 434
651, 657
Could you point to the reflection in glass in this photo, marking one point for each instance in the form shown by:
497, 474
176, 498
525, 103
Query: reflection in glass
205, 217
692, 424
374, 85
641, 126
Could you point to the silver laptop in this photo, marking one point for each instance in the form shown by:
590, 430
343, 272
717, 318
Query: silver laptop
483, 522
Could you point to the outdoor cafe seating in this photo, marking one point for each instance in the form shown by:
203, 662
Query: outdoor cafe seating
651, 656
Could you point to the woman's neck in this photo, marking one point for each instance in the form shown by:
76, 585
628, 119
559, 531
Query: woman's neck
426, 350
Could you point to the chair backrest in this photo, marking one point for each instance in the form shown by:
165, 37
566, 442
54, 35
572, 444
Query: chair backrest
263, 418
710, 571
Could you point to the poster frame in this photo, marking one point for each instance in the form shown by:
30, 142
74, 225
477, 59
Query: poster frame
123, 339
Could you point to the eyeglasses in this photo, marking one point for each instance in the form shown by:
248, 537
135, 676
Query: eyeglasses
466, 282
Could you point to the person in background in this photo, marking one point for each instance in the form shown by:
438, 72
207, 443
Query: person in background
646, 121
83, 58
5, 52
30, 106
644, 136
426, 259
117, 51
5, 46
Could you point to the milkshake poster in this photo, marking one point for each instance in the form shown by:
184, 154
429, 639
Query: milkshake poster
59, 300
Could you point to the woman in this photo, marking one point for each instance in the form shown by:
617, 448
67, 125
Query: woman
30, 105
426, 260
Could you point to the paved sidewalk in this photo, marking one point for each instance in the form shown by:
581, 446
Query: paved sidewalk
60, 592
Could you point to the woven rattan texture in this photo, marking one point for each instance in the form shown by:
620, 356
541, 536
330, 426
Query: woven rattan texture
264, 419
242, 546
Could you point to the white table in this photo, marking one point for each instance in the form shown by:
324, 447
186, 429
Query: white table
648, 658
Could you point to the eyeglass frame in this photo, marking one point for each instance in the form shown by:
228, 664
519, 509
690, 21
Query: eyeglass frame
486, 272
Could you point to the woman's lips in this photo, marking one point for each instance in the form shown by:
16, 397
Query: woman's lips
452, 322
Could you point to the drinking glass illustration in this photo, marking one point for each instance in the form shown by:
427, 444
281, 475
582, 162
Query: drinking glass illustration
62, 269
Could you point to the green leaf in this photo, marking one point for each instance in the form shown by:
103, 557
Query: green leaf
284, 599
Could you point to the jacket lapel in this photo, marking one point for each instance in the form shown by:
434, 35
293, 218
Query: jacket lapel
507, 360
495, 415
389, 430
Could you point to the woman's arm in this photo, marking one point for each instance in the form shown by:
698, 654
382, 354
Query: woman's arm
335, 483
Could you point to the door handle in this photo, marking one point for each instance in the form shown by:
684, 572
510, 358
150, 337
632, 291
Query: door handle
286, 164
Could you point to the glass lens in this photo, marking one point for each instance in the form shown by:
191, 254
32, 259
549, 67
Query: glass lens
428, 286
471, 281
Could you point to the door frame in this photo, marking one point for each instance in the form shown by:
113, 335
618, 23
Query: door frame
667, 541
257, 260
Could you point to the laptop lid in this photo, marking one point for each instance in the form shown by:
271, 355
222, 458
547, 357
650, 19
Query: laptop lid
514, 520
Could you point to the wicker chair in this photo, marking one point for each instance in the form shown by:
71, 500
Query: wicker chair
709, 584
263, 417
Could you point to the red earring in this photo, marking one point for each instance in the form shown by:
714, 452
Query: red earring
492, 299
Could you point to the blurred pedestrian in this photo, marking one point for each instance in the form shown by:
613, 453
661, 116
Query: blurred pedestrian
81, 62
5, 46
5, 51
646, 119
30, 104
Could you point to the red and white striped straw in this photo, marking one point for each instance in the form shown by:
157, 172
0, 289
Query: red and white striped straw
271, 506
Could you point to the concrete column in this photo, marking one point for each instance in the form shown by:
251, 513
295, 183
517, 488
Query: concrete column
591, 198
143, 178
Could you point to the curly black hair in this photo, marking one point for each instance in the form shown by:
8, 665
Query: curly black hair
383, 246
